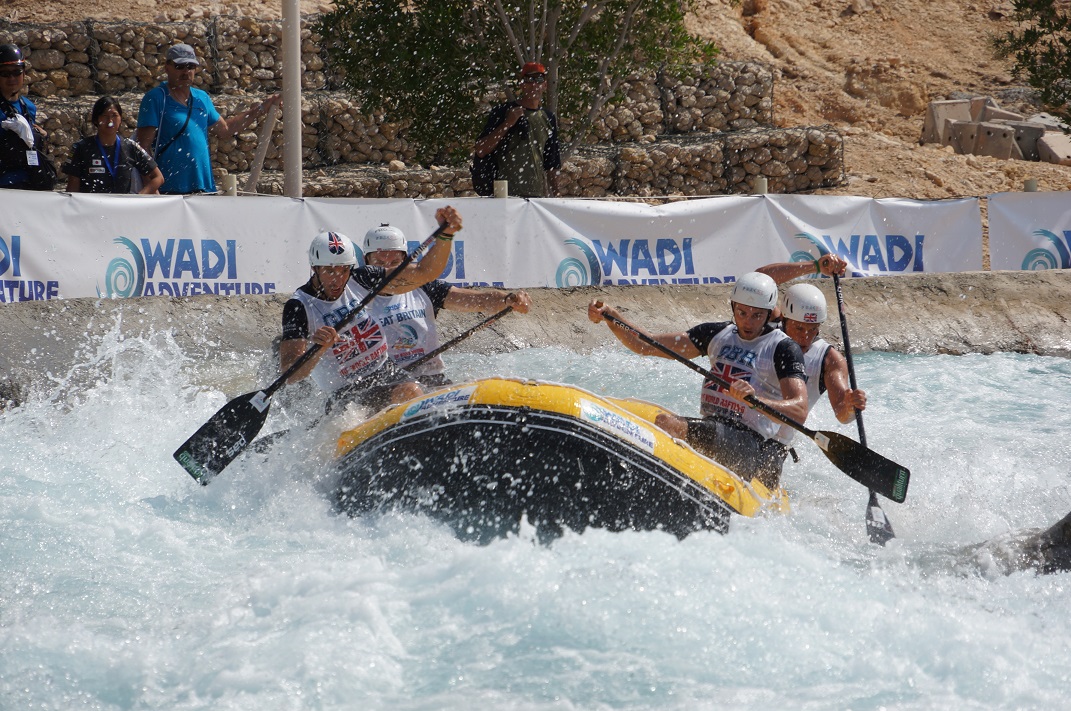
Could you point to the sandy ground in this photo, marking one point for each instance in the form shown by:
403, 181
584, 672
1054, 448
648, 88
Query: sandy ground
868, 67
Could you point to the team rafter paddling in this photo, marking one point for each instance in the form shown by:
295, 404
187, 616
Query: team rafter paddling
265, 442
233, 427
854, 459
829, 372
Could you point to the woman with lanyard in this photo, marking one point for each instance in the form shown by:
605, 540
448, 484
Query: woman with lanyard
106, 163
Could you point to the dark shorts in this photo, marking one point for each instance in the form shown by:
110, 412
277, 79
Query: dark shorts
738, 447
372, 392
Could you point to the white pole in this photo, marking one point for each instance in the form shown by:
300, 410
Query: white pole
292, 169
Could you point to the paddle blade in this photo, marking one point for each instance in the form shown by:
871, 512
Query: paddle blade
866, 466
223, 437
878, 527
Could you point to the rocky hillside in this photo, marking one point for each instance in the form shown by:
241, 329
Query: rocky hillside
867, 67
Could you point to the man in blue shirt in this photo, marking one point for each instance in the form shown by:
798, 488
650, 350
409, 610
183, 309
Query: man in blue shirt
174, 121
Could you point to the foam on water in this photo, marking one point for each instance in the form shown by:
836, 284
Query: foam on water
125, 585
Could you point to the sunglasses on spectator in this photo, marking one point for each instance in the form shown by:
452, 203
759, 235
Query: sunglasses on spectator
535, 78
186, 67
8, 73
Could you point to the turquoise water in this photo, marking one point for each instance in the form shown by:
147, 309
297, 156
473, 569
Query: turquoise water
124, 585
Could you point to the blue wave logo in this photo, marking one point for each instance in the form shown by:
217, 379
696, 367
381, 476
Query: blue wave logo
123, 278
801, 255
406, 339
574, 271
1058, 257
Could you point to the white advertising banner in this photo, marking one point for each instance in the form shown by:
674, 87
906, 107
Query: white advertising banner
1030, 231
882, 237
689, 242
56, 245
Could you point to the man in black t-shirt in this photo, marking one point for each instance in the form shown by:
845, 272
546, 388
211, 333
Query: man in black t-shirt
523, 136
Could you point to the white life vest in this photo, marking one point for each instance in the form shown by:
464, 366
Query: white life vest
812, 363
409, 321
733, 358
362, 346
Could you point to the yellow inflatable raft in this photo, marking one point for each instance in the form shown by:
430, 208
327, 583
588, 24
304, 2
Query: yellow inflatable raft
482, 456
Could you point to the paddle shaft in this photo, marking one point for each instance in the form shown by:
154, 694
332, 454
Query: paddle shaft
352, 313
879, 531
848, 354
457, 339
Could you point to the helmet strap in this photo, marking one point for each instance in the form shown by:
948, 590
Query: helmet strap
317, 284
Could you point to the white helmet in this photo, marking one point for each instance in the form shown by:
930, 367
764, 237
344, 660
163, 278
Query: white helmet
330, 249
384, 238
755, 289
805, 303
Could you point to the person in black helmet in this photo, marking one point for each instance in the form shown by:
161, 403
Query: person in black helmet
23, 163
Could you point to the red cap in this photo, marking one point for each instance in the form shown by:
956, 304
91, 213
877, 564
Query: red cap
533, 68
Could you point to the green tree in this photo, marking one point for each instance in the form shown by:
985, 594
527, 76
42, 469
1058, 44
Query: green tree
435, 64
1041, 47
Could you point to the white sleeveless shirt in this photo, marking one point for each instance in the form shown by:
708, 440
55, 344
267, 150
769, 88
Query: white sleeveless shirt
813, 358
409, 322
362, 346
733, 358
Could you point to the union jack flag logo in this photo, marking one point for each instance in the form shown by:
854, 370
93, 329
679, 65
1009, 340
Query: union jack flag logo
367, 334
810, 317
335, 244
728, 372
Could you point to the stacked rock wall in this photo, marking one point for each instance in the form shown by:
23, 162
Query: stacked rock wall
792, 160
696, 131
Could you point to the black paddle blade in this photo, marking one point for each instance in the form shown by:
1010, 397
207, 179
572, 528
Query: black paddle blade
866, 466
878, 526
223, 437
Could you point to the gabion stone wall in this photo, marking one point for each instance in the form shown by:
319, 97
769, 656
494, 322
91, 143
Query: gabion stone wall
791, 160
238, 54
697, 131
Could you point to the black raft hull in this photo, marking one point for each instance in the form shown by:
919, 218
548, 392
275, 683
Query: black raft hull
484, 457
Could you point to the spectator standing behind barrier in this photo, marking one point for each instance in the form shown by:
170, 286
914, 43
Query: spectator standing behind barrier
23, 160
523, 136
108, 163
174, 120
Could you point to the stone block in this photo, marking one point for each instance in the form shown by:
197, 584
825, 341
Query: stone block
962, 136
992, 113
1055, 147
979, 104
997, 140
935, 128
1027, 134
1050, 122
